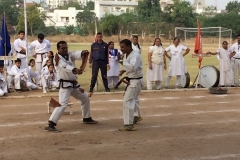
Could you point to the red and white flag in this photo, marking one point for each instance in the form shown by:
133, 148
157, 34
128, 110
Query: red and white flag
198, 45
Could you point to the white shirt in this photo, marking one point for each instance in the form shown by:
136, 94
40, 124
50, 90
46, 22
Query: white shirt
44, 61
18, 71
43, 47
133, 65
65, 67
135, 48
236, 47
18, 43
157, 54
46, 75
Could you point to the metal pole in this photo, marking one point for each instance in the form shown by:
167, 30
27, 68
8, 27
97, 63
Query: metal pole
219, 37
26, 33
5, 38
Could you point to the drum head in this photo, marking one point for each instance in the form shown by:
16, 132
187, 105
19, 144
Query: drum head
185, 80
209, 76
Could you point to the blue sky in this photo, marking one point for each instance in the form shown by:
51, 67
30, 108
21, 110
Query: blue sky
220, 3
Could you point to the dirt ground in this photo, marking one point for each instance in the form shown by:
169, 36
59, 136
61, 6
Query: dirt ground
182, 125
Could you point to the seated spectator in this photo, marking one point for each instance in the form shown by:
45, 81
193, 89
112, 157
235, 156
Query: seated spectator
50, 56
49, 79
3, 83
34, 76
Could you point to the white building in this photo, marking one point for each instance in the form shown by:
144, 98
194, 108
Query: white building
165, 3
52, 4
62, 18
115, 7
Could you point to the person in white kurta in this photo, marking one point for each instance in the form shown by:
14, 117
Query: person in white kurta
177, 63
135, 45
40, 47
66, 73
225, 67
114, 57
235, 61
49, 79
132, 65
3, 83
20, 46
156, 65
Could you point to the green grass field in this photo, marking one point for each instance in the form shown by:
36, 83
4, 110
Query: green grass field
191, 64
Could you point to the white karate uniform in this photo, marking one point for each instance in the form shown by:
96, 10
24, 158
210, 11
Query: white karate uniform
34, 75
235, 61
40, 50
226, 71
18, 74
17, 44
64, 71
47, 81
135, 48
44, 61
3, 85
9, 64
156, 74
113, 72
133, 67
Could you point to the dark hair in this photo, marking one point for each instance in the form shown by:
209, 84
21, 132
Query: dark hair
224, 42
21, 32
99, 33
137, 43
41, 36
48, 61
60, 42
31, 60
111, 42
155, 41
18, 60
1, 65
127, 42
176, 38
52, 55
238, 35
50, 65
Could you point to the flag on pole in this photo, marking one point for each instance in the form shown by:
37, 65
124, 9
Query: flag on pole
5, 45
198, 45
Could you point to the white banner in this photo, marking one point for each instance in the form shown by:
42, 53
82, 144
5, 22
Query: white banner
8, 57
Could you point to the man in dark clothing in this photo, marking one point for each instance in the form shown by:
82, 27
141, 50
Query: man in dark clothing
99, 60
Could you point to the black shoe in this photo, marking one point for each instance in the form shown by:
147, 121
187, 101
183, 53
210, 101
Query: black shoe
51, 127
222, 86
108, 90
233, 86
5, 95
18, 90
89, 121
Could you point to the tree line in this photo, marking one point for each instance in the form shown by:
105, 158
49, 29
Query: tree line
147, 16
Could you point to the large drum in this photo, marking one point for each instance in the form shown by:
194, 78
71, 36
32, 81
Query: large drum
209, 76
185, 80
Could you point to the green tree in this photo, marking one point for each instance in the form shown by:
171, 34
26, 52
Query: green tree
233, 6
34, 20
86, 19
71, 4
10, 7
149, 10
89, 5
110, 24
69, 29
182, 12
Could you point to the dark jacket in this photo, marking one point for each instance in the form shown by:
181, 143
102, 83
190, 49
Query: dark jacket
99, 51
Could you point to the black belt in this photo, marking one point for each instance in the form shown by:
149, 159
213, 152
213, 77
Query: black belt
127, 79
235, 58
74, 84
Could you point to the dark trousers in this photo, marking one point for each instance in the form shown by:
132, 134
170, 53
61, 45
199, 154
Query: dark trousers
96, 65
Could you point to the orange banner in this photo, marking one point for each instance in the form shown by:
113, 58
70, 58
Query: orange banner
198, 45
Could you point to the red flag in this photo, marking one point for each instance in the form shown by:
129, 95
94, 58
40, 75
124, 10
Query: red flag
198, 45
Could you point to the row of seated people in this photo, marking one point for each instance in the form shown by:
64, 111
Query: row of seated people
28, 79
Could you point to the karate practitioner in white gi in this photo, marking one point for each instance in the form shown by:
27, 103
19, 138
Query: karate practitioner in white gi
132, 65
3, 83
49, 79
177, 63
67, 75
33, 74
225, 67
20, 46
40, 46
235, 61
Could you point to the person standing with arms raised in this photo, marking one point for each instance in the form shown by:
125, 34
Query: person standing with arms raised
99, 60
